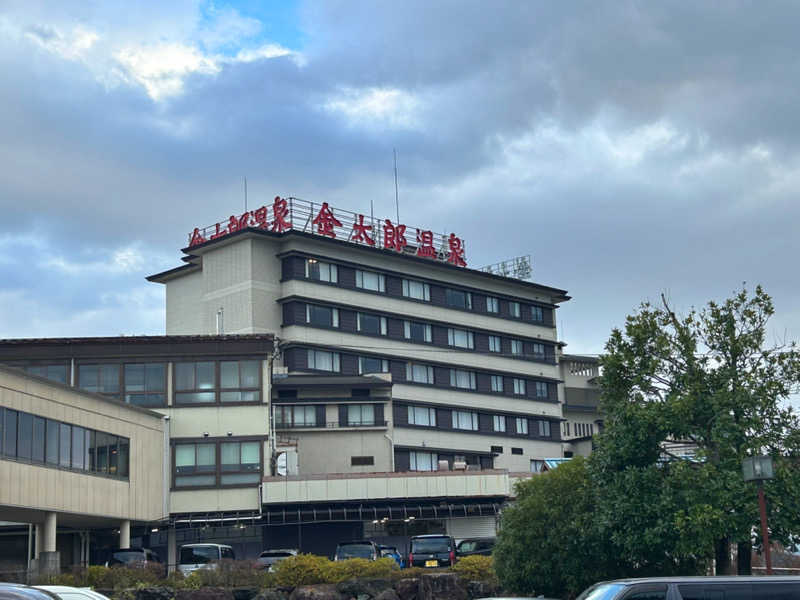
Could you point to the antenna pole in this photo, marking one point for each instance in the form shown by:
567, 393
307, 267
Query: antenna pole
245, 194
396, 196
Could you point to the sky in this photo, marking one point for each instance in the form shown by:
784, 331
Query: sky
631, 148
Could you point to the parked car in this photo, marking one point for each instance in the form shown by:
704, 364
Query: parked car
357, 549
433, 550
132, 557
17, 591
269, 558
391, 552
473, 546
202, 556
696, 588
65, 592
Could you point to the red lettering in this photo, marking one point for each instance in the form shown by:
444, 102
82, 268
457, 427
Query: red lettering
197, 238
260, 217
425, 241
280, 211
393, 236
361, 232
456, 255
325, 221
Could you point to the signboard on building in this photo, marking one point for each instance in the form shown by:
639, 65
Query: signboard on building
294, 214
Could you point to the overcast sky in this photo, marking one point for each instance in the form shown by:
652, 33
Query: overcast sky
629, 147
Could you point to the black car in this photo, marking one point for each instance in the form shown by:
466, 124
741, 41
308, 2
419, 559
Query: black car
132, 557
475, 546
696, 588
432, 551
357, 549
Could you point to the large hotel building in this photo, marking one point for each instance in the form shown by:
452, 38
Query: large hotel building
319, 380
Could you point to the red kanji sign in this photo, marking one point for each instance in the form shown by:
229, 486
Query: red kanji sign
361, 232
325, 221
456, 255
394, 236
280, 211
425, 241
260, 217
197, 238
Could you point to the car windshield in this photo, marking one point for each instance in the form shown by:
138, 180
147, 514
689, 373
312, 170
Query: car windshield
388, 551
276, 554
606, 591
354, 551
196, 555
124, 557
430, 545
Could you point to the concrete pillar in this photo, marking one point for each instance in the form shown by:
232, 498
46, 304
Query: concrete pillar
37, 540
125, 535
49, 533
172, 549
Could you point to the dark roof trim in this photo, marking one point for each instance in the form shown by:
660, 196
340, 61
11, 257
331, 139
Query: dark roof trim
170, 273
486, 411
328, 381
136, 339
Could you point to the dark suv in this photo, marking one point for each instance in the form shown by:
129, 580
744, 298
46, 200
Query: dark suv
432, 551
357, 549
132, 557
473, 546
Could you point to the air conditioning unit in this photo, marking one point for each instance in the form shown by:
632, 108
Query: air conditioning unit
459, 465
444, 465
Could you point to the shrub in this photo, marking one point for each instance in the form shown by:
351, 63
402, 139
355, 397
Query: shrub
303, 569
359, 568
476, 568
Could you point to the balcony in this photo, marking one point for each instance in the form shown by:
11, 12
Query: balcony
331, 425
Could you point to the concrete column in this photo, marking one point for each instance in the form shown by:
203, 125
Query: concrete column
49, 533
125, 535
172, 549
37, 540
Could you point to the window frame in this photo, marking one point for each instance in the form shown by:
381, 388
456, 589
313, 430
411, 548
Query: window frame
100, 366
217, 390
334, 316
410, 372
146, 393
516, 347
333, 270
497, 383
426, 289
545, 430
381, 280
408, 332
336, 360
495, 343
469, 338
217, 471
448, 292
538, 387
384, 365
457, 414
537, 314
292, 409
521, 426
520, 386
514, 309
361, 422
412, 415
493, 305
499, 423
382, 323
415, 455
455, 374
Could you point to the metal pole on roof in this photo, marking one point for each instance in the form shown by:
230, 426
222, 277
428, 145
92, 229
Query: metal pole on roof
396, 195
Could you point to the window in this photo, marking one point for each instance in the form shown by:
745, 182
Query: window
65, 445
146, 384
544, 428
497, 383
373, 324
359, 415
519, 386
323, 361
416, 290
240, 462
240, 380
422, 415
417, 332
492, 305
458, 298
362, 461
522, 426
369, 364
296, 416
465, 419
52, 372
322, 316
537, 314
499, 422
460, 338
195, 382
38, 440
514, 309
369, 280
462, 379
495, 345
516, 347
541, 389
419, 373
321, 271
516, 450
537, 465
100, 379
51, 442
423, 461
497, 449
538, 350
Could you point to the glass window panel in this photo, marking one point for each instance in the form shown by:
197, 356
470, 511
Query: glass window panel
497, 383
250, 371
195, 481
458, 298
519, 386
24, 435
416, 290
184, 376
360, 414
499, 423
124, 457
89, 458
109, 379
101, 452
423, 461
537, 314
88, 377
421, 415
146, 399
51, 445
522, 425
250, 396
323, 316
541, 389
37, 450
513, 308
239, 478
205, 375
494, 343
65, 445
185, 458
156, 377
113, 455
492, 305
462, 379
78, 450
229, 374
134, 378
516, 347
251, 456
206, 457
230, 456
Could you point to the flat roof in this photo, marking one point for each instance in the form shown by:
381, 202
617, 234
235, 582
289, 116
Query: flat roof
293, 381
189, 251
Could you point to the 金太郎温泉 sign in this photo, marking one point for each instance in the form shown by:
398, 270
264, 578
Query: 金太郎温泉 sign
294, 214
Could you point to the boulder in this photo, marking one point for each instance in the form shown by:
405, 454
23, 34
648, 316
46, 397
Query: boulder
407, 589
244, 593
321, 591
208, 593
481, 589
274, 594
441, 586
363, 589
389, 594
153, 593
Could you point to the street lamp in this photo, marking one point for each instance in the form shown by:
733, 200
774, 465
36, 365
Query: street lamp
759, 468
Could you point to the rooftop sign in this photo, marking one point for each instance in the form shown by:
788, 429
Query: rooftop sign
294, 214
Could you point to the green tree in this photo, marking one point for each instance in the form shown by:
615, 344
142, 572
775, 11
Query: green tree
707, 378
549, 542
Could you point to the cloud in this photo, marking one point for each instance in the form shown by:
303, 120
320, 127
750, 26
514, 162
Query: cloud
375, 107
73, 45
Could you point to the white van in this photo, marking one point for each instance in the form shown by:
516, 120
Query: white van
202, 556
